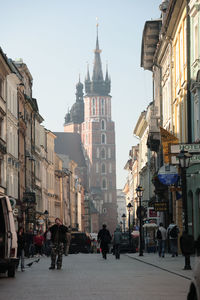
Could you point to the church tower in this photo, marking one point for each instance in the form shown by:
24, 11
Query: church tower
98, 138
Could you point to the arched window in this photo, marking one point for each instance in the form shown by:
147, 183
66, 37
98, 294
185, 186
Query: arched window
103, 153
103, 125
109, 153
104, 184
97, 167
103, 138
103, 106
103, 168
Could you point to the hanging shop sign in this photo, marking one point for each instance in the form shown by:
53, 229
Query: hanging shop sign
161, 206
193, 149
168, 174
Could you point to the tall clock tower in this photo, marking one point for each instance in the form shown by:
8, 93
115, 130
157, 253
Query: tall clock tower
98, 138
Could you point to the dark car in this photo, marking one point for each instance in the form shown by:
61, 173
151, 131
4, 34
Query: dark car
80, 242
125, 245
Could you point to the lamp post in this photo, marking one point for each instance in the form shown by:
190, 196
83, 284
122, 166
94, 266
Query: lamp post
46, 214
124, 220
129, 206
184, 161
139, 191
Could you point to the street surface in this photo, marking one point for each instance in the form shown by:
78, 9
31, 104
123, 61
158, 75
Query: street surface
89, 277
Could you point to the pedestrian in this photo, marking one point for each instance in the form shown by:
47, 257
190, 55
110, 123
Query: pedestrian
47, 237
58, 238
38, 243
68, 237
172, 232
105, 238
21, 247
117, 239
161, 236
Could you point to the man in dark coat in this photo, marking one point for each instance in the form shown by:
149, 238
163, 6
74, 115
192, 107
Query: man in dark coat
105, 238
58, 237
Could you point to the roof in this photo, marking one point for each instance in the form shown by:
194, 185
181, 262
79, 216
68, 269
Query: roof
69, 143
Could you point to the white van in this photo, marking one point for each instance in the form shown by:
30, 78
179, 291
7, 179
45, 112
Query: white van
8, 238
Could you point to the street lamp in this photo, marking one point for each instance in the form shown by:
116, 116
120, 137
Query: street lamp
46, 214
124, 220
139, 191
184, 161
129, 206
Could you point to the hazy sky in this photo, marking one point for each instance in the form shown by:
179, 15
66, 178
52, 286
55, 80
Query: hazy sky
56, 39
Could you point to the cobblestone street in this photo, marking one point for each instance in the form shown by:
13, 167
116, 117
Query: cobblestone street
90, 277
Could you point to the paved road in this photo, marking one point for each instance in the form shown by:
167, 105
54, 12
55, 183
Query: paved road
89, 277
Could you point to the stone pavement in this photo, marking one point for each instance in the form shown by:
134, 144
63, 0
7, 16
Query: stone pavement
170, 264
90, 277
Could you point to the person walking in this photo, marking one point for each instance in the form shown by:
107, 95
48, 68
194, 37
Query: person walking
58, 238
172, 232
68, 237
105, 238
117, 239
38, 243
161, 236
21, 247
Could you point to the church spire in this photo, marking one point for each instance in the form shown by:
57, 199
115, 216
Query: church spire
97, 71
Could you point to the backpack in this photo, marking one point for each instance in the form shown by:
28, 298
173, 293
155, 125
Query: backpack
173, 232
159, 234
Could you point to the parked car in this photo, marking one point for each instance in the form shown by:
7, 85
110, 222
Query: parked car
125, 246
194, 292
8, 238
80, 242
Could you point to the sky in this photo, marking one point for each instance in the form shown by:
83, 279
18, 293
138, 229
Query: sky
56, 40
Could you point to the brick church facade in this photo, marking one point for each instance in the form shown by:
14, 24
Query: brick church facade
90, 116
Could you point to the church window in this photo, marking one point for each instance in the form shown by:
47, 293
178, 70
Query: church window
93, 106
97, 152
110, 197
97, 168
103, 153
103, 106
109, 153
104, 211
104, 184
103, 168
103, 125
110, 168
105, 197
103, 138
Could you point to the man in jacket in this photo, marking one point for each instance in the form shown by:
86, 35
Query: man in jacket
173, 232
58, 237
161, 236
105, 238
117, 241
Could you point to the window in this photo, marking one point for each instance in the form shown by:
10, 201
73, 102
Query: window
97, 152
103, 168
97, 168
110, 168
110, 197
103, 106
105, 197
104, 211
103, 138
196, 42
103, 153
109, 153
104, 184
93, 106
103, 125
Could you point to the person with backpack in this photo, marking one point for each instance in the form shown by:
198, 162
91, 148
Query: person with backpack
161, 235
173, 232
104, 238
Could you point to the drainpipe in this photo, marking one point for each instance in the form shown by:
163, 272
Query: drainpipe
189, 125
